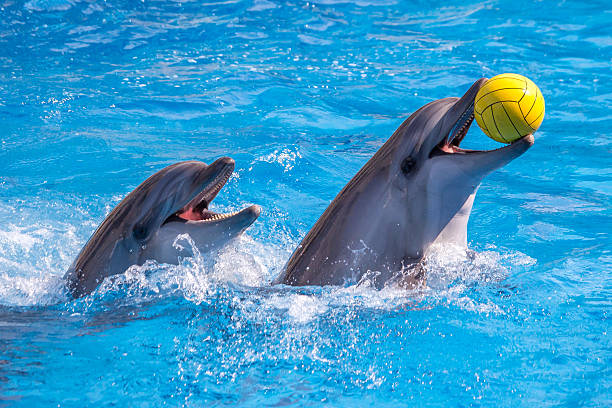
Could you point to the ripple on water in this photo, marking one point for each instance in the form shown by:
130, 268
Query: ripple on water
97, 95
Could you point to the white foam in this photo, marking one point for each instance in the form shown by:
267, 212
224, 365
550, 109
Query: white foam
300, 308
286, 158
35, 257
453, 271
31, 290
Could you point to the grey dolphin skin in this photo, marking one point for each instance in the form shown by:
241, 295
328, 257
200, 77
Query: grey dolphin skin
416, 190
145, 224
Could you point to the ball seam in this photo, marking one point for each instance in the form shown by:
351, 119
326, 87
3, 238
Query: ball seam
511, 122
495, 90
532, 105
524, 92
495, 123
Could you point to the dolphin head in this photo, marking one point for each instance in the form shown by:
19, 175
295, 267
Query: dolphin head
173, 200
418, 188
432, 180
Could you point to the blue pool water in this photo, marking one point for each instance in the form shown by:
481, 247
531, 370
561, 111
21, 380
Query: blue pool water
97, 95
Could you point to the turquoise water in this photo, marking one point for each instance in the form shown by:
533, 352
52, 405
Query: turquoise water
96, 96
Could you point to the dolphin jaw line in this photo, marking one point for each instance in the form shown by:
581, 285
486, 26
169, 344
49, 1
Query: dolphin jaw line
210, 216
450, 143
461, 127
200, 212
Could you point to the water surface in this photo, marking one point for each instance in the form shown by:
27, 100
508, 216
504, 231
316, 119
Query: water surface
95, 96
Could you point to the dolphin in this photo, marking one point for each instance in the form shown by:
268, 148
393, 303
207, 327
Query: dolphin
146, 222
417, 189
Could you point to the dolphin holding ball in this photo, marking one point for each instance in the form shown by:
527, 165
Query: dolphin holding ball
417, 189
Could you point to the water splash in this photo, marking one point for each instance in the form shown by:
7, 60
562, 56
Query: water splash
244, 265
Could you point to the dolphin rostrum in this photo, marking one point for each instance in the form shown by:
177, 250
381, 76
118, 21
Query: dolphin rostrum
416, 190
145, 224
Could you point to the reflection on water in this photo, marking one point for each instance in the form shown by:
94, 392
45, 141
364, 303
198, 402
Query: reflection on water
96, 96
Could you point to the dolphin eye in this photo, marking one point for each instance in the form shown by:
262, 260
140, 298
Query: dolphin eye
140, 232
407, 165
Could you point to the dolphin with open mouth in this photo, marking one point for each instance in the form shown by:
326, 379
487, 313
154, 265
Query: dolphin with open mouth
147, 221
416, 190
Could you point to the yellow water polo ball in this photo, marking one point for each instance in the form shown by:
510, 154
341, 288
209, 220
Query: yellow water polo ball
508, 107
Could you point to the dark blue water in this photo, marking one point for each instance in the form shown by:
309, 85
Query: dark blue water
96, 96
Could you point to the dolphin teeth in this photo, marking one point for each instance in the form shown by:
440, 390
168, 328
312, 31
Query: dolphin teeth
457, 134
219, 217
217, 186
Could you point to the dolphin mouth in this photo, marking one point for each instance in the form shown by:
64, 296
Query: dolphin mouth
450, 143
465, 116
197, 209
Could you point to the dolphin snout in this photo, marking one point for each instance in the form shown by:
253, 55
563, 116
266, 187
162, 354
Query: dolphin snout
527, 141
250, 214
226, 161
255, 210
